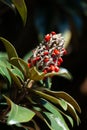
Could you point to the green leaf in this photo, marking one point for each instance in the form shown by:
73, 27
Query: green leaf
8, 3
57, 122
31, 73
18, 114
21, 7
50, 98
64, 96
73, 113
62, 72
18, 73
25, 68
15, 79
35, 75
10, 51
4, 72
4, 60
55, 117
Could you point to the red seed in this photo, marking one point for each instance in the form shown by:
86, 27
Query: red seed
53, 54
29, 65
52, 68
45, 71
59, 63
56, 69
53, 33
46, 53
37, 58
47, 38
29, 60
65, 52
56, 51
60, 60
34, 61
46, 59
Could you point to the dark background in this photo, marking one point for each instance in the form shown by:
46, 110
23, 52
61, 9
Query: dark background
45, 16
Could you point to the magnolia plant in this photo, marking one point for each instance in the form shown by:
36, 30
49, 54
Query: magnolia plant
26, 98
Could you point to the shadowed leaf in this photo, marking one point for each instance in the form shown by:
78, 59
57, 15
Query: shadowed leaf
64, 96
21, 7
10, 51
18, 114
52, 99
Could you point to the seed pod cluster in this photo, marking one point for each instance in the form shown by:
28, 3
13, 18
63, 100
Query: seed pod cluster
47, 57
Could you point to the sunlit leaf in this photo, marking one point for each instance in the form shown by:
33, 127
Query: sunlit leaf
55, 117
17, 72
4, 72
15, 79
21, 7
25, 68
65, 96
52, 99
18, 114
35, 75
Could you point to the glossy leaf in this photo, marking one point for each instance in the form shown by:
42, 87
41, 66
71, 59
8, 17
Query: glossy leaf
73, 113
10, 51
62, 72
21, 7
8, 3
4, 72
65, 96
18, 73
52, 99
25, 68
15, 79
18, 114
35, 75
55, 117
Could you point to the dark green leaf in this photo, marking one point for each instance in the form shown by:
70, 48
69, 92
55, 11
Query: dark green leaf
15, 79
8, 3
18, 73
4, 72
64, 96
25, 68
73, 113
21, 7
10, 51
18, 114
50, 98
